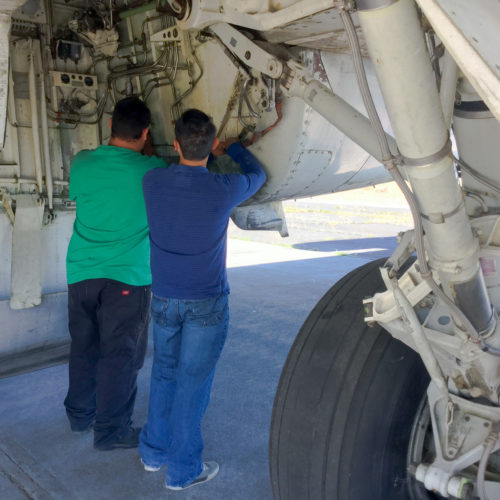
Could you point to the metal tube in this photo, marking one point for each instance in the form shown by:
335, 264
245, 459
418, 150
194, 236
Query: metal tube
13, 180
397, 48
421, 342
34, 123
341, 114
404, 70
449, 77
474, 303
46, 152
373, 4
5, 22
11, 115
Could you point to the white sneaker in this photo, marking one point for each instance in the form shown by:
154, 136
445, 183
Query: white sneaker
150, 468
210, 470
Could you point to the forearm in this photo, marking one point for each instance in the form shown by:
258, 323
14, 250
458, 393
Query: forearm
246, 160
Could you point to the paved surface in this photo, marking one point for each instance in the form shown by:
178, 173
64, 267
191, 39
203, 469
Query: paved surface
274, 283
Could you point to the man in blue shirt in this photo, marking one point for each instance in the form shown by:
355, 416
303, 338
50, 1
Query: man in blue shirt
188, 210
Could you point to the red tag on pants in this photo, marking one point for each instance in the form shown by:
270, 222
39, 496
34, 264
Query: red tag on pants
125, 292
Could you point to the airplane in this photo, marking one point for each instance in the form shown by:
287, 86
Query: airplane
391, 389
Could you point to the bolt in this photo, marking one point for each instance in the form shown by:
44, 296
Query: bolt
475, 392
248, 55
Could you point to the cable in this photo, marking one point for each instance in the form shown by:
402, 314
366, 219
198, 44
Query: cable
244, 97
193, 81
477, 175
68, 117
482, 203
390, 164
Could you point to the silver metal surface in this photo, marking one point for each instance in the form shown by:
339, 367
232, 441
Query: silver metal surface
373, 4
338, 112
426, 160
247, 51
26, 272
414, 108
472, 44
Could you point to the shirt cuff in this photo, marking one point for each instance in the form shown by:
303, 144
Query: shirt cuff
235, 149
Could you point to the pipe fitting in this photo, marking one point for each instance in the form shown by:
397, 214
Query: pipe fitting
445, 484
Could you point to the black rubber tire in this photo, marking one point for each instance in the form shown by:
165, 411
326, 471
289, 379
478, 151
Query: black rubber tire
345, 404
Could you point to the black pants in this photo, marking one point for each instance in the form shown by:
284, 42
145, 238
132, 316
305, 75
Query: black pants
108, 324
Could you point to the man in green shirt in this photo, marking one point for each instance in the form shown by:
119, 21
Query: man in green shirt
109, 279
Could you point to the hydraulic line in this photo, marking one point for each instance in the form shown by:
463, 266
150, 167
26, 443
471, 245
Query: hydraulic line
477, 175
244, 97
489, 445
35, 123
194, 81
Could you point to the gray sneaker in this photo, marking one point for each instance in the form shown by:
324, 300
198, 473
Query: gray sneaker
210, 470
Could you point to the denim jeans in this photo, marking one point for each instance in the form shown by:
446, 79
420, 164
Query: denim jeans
188, 339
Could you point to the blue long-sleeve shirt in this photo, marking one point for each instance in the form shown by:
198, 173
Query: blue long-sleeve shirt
188, 210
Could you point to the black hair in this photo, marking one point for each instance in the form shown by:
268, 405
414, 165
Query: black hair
195, 133
130, 117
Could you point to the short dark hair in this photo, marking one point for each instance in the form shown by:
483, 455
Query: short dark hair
130, 117
195, 133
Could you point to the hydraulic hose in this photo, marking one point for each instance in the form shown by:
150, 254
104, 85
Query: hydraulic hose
489, 444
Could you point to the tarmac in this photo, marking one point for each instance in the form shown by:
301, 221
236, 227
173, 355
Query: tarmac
274, 285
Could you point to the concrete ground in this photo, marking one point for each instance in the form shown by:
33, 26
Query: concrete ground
274, 285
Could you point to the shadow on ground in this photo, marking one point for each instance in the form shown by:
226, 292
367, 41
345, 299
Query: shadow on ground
372, 248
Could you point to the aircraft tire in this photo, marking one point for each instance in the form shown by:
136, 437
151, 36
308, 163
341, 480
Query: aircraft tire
346, 403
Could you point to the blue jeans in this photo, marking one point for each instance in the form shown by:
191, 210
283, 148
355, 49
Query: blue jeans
188, 339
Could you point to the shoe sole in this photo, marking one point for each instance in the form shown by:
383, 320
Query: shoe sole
82, 431
195, 482
150, 468
125, 443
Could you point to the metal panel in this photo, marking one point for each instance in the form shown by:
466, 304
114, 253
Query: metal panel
32, 11
469, 30
323, 30
313, 156
34, 337
26, 270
